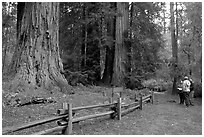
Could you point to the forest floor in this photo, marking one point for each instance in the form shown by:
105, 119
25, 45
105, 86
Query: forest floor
165, 116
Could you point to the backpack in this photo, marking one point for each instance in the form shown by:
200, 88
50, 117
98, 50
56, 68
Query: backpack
186, 85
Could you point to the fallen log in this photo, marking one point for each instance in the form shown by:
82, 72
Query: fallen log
35, 100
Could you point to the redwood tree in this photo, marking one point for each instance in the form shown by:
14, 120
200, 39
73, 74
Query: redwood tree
174, 47
109, 47
36, 61
120, 48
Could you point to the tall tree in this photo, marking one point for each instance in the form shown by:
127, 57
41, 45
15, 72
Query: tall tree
130, 55
36, 61
163, 4
109, 46
84, 37
120, 48
174, 47
137, 38
191, 42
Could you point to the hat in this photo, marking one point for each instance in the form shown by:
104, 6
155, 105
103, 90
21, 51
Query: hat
185, 77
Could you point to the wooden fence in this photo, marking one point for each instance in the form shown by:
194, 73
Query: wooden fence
65, 118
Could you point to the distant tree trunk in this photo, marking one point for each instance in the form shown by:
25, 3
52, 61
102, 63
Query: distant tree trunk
189, 62
120, 48
164, 21
84, 36
109, 59
36, 61
200, 62
174, 48
131, 54
102, 48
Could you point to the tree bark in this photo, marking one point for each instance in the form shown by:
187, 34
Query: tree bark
109, 59
84, 36
5, 49
20, 10
174, 48
189, 61
120, 48
102, 48
132, 65
36, 61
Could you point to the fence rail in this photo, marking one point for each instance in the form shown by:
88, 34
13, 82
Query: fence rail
92, 116
94, 106
32, 124
65, 116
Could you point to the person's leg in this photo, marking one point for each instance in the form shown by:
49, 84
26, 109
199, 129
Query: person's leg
186, 98
182, 97
191, 98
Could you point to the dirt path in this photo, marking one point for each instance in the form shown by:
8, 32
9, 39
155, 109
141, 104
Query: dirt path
163, 117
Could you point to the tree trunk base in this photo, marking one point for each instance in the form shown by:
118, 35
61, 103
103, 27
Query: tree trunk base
21, 82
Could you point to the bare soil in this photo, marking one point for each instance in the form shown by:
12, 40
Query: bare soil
165, 116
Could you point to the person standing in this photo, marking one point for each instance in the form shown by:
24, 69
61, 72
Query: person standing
180, 92
191, 94
186, 90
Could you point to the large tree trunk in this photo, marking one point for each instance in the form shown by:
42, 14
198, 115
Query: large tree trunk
174, 48
109, 54
20, 11
120, 48
36, 61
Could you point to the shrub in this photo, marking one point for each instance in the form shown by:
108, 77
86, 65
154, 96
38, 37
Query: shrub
157, 84
85, 78
132, 82
197, 89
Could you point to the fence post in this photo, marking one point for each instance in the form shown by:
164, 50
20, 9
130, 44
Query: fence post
141, 102
68, 130
119, 108
152, 96
110, 100
64, 107
136, 98
104, 94
112, 94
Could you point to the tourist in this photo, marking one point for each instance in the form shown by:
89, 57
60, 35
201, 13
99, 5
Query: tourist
186, 90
